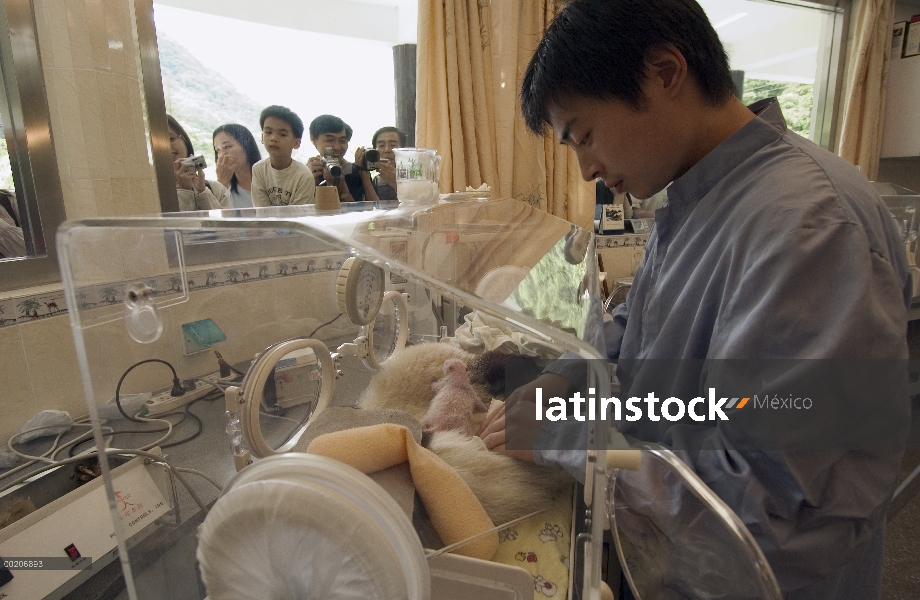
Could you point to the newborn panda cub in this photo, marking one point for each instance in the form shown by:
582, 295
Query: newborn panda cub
454, 403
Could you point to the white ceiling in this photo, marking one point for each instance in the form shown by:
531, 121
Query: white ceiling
393, 21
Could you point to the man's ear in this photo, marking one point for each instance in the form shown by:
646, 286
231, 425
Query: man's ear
666, 67
296, 143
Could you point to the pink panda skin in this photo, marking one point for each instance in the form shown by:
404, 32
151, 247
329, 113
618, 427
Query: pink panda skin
454, 403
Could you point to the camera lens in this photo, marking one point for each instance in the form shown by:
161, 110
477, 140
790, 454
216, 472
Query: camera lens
372, 156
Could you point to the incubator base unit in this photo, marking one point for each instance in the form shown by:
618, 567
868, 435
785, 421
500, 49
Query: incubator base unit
311, 471
56, 535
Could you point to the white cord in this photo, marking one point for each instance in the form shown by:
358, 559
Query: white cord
149, 455
202, 475
463, 542
43, 457
169, 430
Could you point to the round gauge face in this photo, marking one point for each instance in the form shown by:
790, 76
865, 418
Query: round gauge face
360, 290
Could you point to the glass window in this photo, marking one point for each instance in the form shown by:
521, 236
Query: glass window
217, 69
787, 50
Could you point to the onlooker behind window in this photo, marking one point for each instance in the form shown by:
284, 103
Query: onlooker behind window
385, 140
195, 193
12, 242
236, 151
280, 180
354, 184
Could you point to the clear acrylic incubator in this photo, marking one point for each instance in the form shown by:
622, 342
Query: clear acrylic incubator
287, 363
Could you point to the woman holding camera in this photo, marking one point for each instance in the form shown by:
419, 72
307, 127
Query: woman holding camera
235, 151
195, 193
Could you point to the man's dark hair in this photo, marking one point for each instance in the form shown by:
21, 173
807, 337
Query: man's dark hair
329, 124
402, 136
285, 114
245, 139
597, 48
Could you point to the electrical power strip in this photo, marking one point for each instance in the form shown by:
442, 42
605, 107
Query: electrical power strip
163, 402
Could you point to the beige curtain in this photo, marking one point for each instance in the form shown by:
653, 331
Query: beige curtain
471, 55
868, 53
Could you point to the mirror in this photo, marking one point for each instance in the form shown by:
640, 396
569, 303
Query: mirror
29, 254
33, 148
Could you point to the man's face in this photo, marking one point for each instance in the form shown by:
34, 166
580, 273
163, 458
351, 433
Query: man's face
629, 149
386, 142
278, 138
338, 141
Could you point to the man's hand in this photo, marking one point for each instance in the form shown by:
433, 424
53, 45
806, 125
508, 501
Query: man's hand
316, 165
187, 178
515, 419
363, 173
226, 167
387, 172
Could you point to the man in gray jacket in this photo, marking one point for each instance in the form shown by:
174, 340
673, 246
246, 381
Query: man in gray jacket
770, 248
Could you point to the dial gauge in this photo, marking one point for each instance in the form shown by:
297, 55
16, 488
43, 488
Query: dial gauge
359, 290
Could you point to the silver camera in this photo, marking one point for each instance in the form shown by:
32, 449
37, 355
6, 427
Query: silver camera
332, 163
198, 162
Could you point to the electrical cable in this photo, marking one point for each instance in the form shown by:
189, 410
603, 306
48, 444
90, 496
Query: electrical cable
73, 448
323, 325
202, 475
156, 458
53, 451
177, 386
226, 366
43, 457
188, 411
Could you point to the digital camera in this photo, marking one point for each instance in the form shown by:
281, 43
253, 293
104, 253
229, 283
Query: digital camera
332, 163
371, 158
198, 162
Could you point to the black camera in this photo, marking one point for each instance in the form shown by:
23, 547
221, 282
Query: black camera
198, 162
332, 163
371, 160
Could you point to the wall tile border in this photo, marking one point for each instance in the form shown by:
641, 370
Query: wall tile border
28, 308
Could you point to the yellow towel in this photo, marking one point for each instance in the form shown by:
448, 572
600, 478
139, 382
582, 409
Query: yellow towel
454, 511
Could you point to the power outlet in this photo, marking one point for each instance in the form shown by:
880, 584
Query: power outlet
163, 402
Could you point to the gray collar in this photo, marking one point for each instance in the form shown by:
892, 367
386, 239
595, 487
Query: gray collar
766, 128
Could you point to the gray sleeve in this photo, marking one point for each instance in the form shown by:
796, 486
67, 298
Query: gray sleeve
811, 511
563, 445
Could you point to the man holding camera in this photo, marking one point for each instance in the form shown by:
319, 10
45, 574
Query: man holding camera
330, 136
385, 142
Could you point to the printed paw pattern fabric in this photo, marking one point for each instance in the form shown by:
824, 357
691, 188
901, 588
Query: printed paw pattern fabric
541, 545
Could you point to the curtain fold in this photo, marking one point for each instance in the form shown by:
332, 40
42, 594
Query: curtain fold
868, 55
471, 55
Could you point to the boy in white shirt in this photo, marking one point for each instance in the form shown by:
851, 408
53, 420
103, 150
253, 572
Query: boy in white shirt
279, 180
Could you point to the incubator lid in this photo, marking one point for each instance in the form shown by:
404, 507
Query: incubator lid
454, 248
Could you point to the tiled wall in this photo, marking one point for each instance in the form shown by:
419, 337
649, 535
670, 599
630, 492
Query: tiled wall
281, 299
89, 61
